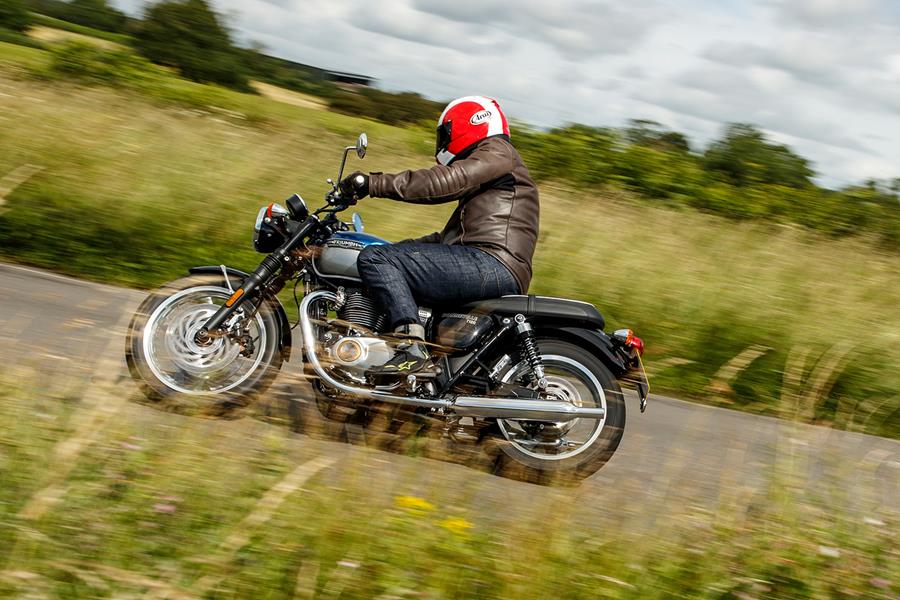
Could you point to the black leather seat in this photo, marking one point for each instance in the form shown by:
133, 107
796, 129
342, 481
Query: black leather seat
541, 307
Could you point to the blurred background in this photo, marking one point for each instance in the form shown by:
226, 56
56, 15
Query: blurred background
720, 177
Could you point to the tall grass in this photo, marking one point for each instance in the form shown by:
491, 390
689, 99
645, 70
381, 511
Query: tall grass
160, 506
133, 191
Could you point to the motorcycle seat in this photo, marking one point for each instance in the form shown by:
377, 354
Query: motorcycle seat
540, 307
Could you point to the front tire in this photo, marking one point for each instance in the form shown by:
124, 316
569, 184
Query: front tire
545, 452
172, 369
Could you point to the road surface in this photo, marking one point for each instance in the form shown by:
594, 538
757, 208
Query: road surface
676, 454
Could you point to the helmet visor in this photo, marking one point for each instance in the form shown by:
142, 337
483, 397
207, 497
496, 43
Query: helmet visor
443, 137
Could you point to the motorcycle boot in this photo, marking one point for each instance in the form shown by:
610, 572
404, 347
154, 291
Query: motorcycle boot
411, 357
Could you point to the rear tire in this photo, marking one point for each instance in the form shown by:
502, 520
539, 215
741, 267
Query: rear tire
173, 372
584, 380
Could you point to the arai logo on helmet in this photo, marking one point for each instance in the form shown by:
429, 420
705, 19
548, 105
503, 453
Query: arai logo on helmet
480, 118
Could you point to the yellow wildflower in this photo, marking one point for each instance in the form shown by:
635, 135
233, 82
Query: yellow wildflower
413, 503
456, 525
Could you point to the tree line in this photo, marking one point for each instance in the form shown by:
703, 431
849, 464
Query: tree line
741, 175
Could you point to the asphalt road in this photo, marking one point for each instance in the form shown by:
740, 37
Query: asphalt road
675, 454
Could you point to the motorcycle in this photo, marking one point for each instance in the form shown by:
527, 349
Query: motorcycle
538, 375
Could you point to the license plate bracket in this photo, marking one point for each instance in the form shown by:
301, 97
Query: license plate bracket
641, 382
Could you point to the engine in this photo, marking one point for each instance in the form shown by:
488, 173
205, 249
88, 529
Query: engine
351, 354
360, 310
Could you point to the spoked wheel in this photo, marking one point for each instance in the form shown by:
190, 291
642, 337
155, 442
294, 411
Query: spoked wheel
576, 448
214, 379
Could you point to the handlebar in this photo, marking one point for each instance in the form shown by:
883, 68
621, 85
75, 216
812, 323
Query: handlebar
337, 200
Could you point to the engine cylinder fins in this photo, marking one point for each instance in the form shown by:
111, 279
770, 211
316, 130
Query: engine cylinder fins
361, 310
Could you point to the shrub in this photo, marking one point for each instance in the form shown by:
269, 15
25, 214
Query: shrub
87, 62
14, 15
14, 37
95, 13
745, 157
189, 36
406, 108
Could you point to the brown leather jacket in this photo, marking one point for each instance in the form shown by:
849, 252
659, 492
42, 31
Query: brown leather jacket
498, 202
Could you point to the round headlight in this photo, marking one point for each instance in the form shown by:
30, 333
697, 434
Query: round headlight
268, 233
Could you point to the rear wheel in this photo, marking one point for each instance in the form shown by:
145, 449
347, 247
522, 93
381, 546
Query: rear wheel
216, 379
541, 451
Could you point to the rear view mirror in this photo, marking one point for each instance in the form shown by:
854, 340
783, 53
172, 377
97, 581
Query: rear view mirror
361, 144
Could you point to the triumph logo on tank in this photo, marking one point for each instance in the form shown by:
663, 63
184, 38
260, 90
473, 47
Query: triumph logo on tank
480, 118
349, 244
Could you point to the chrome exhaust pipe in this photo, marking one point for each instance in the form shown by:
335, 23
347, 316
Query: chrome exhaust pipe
463, 406
522, 408
309, 344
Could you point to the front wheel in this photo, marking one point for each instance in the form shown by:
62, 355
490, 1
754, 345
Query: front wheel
217, 379
542, 451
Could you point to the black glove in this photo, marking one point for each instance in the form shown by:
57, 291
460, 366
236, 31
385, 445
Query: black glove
355, 185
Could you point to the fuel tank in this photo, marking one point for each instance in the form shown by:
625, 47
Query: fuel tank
338, 258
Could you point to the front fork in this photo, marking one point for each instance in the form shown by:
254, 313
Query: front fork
263, 273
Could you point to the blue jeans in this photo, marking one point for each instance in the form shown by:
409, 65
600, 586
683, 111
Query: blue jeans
406, 275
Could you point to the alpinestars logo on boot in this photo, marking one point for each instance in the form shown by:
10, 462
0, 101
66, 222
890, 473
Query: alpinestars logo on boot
405, 366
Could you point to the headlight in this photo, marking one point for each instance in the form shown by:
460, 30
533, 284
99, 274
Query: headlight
268, 232
259, 221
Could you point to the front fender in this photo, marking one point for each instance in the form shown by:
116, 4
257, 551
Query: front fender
236, 278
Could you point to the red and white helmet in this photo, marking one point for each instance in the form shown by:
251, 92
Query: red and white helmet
466, 121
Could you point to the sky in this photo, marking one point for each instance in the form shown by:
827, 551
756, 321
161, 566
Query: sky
822, 76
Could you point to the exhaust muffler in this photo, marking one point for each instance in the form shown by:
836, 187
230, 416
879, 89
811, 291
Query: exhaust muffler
521, 408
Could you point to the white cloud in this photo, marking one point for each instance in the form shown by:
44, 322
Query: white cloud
577, 29
772, 81
892, 63
821, 75
818, 13
868, 167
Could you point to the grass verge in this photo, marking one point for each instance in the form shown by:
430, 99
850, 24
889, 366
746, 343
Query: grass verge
103, 498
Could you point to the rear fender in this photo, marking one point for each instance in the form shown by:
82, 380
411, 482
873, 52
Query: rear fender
235, 278
594, 341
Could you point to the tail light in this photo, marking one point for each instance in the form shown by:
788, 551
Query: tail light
627, 338
638, 344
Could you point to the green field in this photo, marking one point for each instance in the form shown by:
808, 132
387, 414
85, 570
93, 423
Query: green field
138, 183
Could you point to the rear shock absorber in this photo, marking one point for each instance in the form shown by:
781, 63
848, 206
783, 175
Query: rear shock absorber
530, 350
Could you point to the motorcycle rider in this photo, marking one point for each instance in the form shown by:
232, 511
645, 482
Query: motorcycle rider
485, 249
